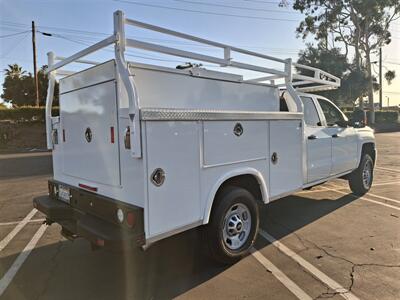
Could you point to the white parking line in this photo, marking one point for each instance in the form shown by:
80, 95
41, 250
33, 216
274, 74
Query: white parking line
383, 198
386, 183
332, 284
289, 284
320, 189
8, 277
16, 222
14, 232
363, 198
388, 169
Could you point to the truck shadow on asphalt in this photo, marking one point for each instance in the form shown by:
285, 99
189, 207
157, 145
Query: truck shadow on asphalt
169, 268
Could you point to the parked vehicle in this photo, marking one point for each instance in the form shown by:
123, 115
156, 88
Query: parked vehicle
142, 152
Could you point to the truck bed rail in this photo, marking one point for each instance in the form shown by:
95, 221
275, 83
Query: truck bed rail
120, 42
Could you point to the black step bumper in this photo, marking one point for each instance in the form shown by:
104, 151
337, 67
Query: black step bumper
93, 225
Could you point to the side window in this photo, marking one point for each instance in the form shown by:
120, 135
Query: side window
310, 112
332, 115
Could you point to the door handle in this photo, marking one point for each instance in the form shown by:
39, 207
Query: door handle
127, 138
335, 135
312, 137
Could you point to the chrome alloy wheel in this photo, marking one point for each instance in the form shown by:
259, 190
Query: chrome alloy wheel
367, 174
237, 226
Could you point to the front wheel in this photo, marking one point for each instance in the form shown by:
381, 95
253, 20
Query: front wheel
360, 180
233, 225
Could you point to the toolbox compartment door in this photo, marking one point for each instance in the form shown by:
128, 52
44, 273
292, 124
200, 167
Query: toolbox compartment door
174, 204
286, 173
89, 133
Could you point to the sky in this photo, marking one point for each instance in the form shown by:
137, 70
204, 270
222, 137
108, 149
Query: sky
256, 25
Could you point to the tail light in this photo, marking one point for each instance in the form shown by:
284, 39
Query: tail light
130, 219
112, 134
100, 242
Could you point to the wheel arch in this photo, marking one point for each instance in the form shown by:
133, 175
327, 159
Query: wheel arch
368, 147
249, 178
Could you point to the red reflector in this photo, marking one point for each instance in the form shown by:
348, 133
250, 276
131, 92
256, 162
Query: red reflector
100, 242
130, 219
86, 187
63, 135
112, 134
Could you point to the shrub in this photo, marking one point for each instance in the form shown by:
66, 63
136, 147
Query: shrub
386, 116
381, 116
26, 114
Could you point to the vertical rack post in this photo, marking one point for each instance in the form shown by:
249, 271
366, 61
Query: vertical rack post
49, 100
123, 76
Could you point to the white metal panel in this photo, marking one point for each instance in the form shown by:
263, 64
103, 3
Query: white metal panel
344, 149
286, 174
93, 107
174, 147
158, 89
97, 74
222, 146
132, 171
319, 153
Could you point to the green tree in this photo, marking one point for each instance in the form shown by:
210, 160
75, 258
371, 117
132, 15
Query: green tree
353, 81
14, 71
19, 88
360, 24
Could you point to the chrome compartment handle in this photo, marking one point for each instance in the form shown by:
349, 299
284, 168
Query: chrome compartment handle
127, 138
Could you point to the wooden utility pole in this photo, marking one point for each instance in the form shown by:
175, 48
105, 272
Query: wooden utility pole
380, 79
34, 63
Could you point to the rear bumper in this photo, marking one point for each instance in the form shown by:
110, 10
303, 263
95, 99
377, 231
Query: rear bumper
76, 222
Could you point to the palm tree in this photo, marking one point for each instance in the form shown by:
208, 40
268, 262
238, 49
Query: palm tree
14, 71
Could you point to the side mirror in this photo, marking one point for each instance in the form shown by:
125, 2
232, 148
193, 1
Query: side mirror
343, 123
358, 118
356, 124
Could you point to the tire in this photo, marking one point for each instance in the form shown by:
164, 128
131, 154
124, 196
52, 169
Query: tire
233, 225
360, 180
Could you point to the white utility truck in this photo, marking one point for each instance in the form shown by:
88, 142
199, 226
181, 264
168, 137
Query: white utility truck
142, 152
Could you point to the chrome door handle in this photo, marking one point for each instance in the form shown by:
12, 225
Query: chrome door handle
312, 137
127, 138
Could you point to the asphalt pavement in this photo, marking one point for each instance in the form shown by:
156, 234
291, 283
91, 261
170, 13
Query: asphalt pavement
321, 243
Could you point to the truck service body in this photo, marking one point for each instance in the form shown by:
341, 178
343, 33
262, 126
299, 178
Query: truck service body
142, 152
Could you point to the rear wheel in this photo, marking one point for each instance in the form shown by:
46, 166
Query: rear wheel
233, 225
360, 180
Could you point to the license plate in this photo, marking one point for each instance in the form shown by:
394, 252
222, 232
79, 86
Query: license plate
63, 193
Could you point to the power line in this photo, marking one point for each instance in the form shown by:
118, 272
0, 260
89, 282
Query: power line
234, 7
13, 34
15, 45
205, 12
86, 34
266, 2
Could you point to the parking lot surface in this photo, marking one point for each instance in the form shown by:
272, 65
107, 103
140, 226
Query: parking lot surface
320, 243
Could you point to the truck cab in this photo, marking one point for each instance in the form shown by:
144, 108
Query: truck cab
333, 144
142, 152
